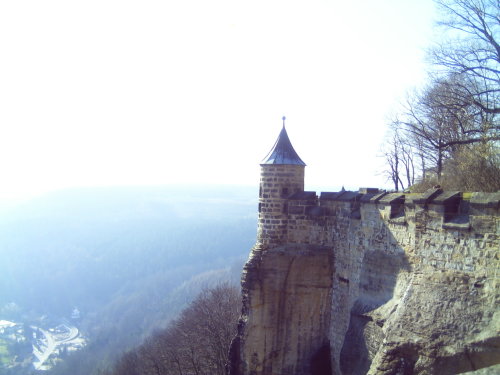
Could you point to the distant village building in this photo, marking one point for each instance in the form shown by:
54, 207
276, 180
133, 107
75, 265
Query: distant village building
5, 325
75, 314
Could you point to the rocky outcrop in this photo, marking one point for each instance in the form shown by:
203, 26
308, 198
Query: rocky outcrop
287, 294
445, 323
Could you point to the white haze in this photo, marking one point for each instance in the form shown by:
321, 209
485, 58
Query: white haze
110, 92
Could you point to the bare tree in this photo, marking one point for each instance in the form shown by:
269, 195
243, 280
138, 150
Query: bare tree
152, 357
217, 307
391, 155
205, 332
437, 126
408, 161
457, 114
399, 157
128, 364
197, 343
471, 51
429, 126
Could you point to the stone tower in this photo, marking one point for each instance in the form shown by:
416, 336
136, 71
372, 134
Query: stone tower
287, 281
281, 175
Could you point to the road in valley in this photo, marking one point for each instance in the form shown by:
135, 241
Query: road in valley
50, 343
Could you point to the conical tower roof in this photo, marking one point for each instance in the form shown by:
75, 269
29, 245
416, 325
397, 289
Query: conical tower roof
283, 151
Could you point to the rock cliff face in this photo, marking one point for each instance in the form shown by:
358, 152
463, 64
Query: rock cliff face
288, 309
373, 283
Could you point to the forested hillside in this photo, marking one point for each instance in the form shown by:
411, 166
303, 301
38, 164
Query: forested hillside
196, 342
129, 259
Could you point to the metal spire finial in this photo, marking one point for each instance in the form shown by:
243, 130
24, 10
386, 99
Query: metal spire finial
284, 118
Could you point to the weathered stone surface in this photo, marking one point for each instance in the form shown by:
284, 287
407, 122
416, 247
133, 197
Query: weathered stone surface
446, 323
287, 295
492, 370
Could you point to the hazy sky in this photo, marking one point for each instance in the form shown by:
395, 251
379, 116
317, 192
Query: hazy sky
157, 92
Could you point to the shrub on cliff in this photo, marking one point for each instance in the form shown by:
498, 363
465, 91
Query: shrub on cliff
473, 168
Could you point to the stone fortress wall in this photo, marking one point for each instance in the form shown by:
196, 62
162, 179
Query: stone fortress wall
369, 282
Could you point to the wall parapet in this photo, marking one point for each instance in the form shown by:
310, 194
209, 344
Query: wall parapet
449, 210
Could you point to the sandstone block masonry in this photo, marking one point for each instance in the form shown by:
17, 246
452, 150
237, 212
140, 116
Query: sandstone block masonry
277, 183
369, 282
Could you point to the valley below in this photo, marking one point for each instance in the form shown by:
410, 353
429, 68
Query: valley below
130, 259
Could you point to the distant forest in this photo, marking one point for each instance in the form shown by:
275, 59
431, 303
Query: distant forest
130, 259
